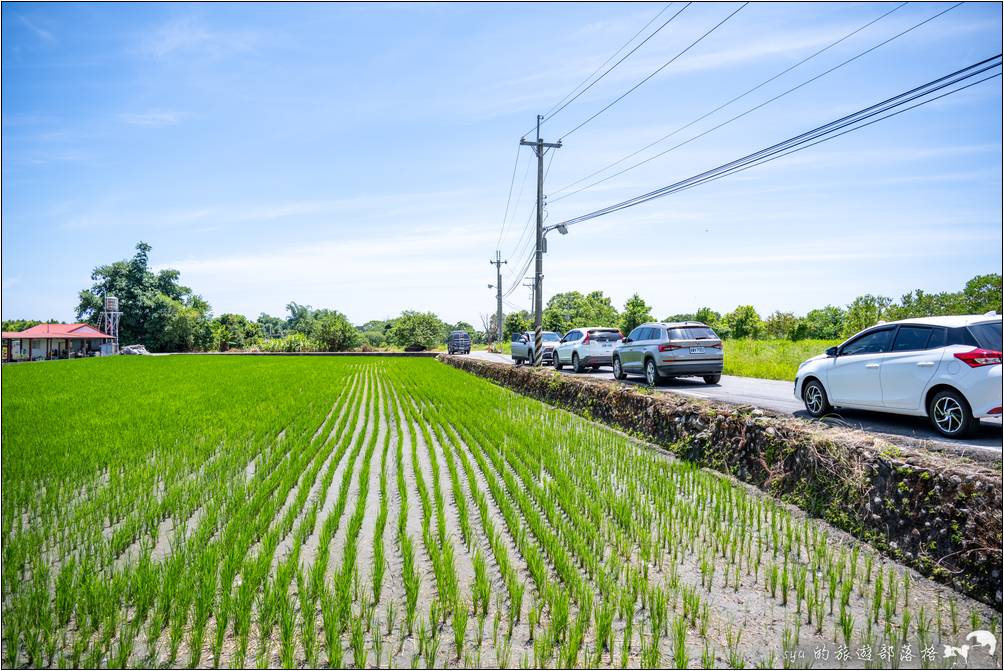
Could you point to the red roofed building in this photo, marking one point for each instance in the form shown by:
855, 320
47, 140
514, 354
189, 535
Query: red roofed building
54, 341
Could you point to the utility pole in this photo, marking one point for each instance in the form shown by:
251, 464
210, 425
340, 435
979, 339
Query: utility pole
530, 286
539, 147
498, 292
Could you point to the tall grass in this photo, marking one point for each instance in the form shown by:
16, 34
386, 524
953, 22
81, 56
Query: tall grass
770, 359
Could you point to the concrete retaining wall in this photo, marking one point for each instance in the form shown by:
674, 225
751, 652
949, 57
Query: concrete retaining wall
939, 514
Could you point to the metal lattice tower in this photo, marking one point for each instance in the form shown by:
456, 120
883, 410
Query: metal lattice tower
108, 319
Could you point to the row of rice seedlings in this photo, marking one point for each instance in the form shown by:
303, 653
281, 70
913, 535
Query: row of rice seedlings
801, 540
127, 634
347, 575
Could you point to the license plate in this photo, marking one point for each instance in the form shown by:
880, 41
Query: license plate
697, 350
607, 345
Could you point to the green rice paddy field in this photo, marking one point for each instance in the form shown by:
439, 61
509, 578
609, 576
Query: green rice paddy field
366, 512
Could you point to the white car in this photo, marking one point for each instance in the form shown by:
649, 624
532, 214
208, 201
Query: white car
945, 368
587, 347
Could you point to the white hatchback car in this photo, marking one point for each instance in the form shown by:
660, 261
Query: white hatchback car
945, 368
589, 347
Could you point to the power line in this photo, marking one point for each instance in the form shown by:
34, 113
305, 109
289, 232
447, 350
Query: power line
529, 217
655, 72
735, 99
562, 104
519, 196
849, 130
815, 136
522, 274
512, 181
756, 107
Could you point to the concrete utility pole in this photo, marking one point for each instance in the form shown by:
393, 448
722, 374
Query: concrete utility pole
498, 292
539, 147
529, 285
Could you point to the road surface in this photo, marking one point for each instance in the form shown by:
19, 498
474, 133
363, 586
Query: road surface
777, 395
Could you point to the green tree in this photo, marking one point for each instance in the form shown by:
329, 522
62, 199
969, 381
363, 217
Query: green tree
233, 331
381, 325
781, 325
707, 316
187, 329
636, 311
515, 322
418, 330
983, 294
824, 323
300, 318
151, 303
572, 309
270, 326
743, 322
865, 311
373, 338
333, 331
598, 310
562, 311
22, 324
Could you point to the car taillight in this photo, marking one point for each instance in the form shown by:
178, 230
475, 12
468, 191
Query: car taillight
717, 345
668, 348
979, 357
995, 411
585, 341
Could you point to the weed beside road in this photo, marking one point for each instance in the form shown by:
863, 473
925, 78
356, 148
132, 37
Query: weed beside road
770, 359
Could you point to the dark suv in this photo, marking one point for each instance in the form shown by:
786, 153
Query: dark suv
459, 342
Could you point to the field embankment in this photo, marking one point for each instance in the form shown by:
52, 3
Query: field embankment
939, 514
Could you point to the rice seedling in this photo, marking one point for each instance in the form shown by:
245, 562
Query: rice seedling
460, 615
273, 502
357, 642
680, 656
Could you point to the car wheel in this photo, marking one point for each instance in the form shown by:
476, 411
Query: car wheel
814, 397
557, 362
576, 364
950, 414
652, 373
712, 379
618, 371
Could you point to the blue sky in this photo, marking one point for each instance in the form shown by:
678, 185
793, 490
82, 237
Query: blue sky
358, 157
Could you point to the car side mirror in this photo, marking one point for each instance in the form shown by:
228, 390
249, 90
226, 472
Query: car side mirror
832, 351
625, 339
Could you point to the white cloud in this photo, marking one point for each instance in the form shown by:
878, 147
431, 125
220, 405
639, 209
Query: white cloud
151, 118
189, 35
39, 32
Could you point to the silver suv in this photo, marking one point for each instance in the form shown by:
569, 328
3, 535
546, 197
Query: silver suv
659, 351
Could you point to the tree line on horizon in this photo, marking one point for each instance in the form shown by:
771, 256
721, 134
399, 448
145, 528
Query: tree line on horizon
572, 309
166, 316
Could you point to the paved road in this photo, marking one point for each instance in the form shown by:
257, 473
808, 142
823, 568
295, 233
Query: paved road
777, 395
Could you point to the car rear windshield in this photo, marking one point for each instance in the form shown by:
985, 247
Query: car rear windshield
692, 333
988, 335
605, 336
551, 337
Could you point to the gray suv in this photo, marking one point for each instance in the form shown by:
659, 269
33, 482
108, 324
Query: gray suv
659, 351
